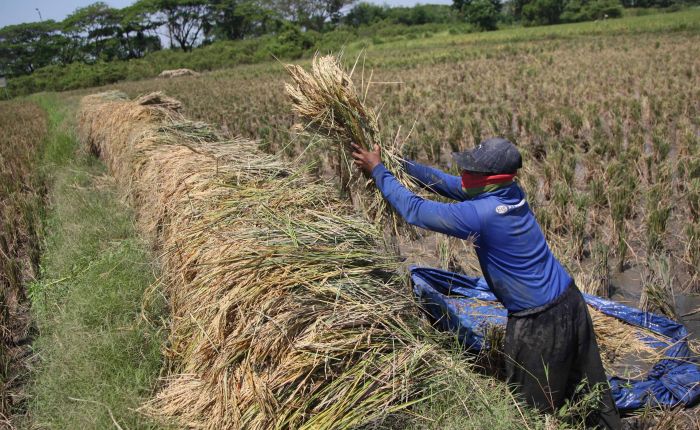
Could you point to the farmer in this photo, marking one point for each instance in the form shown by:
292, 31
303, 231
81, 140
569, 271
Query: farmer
550, 345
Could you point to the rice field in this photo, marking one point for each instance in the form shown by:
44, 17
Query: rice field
255, 242
608, 122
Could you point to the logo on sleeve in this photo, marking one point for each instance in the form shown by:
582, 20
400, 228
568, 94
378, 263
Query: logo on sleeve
503, 209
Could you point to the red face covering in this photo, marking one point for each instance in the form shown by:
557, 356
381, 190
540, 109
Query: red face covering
471, 180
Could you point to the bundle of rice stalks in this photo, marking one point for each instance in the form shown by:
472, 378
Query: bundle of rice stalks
327, 100
284, 312
159, 99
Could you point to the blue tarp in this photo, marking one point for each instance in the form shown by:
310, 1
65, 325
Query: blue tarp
448, 298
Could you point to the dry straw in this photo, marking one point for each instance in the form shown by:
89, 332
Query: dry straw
327, 101
284, 312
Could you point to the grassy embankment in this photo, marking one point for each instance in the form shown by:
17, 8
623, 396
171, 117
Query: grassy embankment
98, 346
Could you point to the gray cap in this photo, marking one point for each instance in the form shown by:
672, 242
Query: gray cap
494, 155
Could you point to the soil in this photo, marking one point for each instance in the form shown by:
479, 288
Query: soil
627, 287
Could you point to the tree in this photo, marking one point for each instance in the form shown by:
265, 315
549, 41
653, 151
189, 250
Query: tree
482, 13
138, 31
94, 29
186, 21
517, 8
238, 19
586, 10
364, 14
27, 47
312, 14
601, 9
540, 12
99, 32
459, 5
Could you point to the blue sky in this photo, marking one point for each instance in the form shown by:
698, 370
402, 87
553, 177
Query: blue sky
18, 11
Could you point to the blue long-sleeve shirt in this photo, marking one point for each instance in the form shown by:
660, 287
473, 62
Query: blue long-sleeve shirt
513, 253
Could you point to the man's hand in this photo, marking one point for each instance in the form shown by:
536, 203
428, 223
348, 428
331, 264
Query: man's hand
366, 160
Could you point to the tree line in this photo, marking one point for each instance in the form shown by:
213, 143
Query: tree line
100, 33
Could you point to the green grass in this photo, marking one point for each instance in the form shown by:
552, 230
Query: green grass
99, 351
445, 47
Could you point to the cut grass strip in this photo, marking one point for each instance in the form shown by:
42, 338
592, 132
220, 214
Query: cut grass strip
99, 351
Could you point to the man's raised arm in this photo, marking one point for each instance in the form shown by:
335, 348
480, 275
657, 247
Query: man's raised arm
455, 219
436, 180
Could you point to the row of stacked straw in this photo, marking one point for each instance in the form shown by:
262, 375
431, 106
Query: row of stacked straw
285, 313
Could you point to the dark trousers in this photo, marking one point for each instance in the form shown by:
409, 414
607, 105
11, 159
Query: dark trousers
551, 350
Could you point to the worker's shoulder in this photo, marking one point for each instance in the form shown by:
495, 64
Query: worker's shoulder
507, 201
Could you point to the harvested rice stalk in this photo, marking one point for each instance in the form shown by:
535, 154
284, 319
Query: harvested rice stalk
159, 99
328, 101
618, 341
